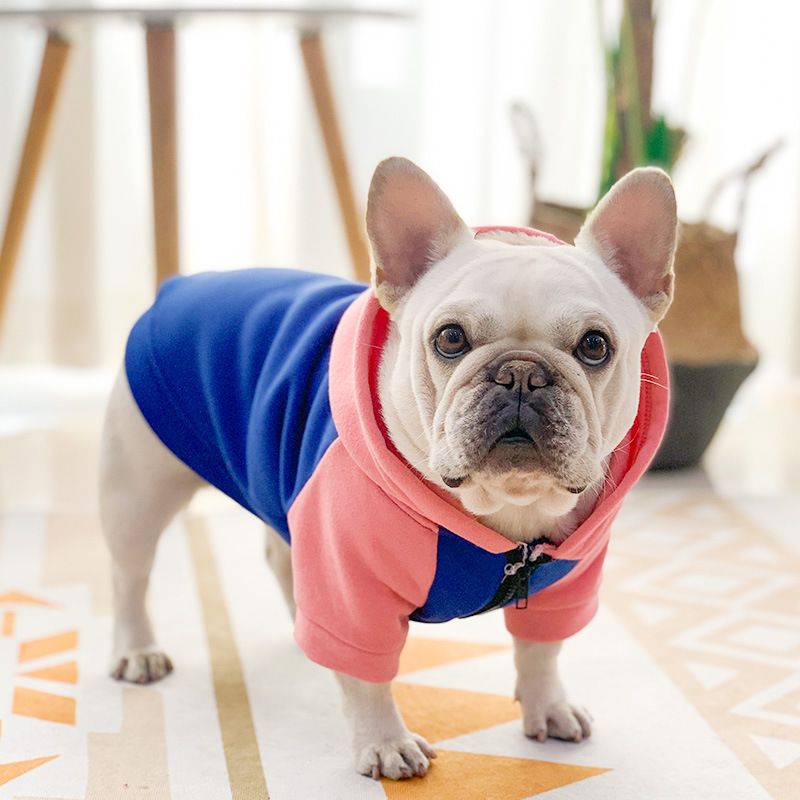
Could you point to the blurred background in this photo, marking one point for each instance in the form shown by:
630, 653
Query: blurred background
255, 187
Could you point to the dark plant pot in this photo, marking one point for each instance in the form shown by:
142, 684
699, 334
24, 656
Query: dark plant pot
699, 397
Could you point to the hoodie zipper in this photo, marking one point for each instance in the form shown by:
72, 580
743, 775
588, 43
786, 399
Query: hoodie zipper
521, 563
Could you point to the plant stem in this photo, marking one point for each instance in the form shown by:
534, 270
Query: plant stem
634, 125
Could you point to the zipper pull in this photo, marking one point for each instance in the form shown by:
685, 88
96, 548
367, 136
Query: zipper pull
522, 586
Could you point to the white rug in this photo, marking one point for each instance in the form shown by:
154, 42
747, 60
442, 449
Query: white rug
691, 670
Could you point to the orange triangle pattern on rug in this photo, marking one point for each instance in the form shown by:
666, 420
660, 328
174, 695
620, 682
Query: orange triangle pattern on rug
63, 673
16, 768
48, 646
471, 776
420, 653
43, 705
19, 597
439, 714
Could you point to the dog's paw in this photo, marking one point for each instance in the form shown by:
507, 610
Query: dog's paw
560, 720
146, 665
405, 757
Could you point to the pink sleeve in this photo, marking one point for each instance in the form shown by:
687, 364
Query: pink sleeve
561, 610
361, 567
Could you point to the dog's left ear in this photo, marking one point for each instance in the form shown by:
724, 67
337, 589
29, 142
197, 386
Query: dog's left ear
634, 229
411, 224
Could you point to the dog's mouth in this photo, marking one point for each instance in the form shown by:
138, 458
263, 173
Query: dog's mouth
514, 436
520, 442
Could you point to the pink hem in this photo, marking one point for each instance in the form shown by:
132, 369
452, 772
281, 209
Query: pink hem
550, 624
327, 650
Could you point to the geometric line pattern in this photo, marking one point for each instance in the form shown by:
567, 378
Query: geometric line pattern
38, 648
10, 771
780, 753
22, 598
720, 616
711, 597
33, 703
43, 705
61, 673
765, 704
439, 714
442, 714
471, 776
419, 654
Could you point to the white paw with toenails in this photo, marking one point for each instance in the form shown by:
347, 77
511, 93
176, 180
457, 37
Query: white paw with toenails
558, 721
144, 665
405, 757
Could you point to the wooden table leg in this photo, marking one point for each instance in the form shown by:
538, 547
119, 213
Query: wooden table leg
55, 57
164, 147
316, 70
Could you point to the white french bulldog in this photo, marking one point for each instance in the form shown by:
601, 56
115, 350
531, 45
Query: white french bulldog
510, 373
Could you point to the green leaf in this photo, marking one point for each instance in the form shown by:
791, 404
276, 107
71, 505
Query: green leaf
664, 143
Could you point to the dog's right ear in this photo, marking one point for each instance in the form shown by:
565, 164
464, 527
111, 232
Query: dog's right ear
411, 225
634, 230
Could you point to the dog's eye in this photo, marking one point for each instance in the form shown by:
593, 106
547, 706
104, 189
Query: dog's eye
593, 349
451, 342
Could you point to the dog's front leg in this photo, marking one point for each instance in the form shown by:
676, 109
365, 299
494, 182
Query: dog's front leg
545, 708
382, 744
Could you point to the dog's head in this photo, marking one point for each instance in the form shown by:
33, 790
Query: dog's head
512, 366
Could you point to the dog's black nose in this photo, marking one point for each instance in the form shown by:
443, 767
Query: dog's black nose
518, 372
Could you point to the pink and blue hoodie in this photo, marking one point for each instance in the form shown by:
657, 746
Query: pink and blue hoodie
264, 383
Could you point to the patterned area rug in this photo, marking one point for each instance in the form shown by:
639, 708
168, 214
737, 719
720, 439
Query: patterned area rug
691, 670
